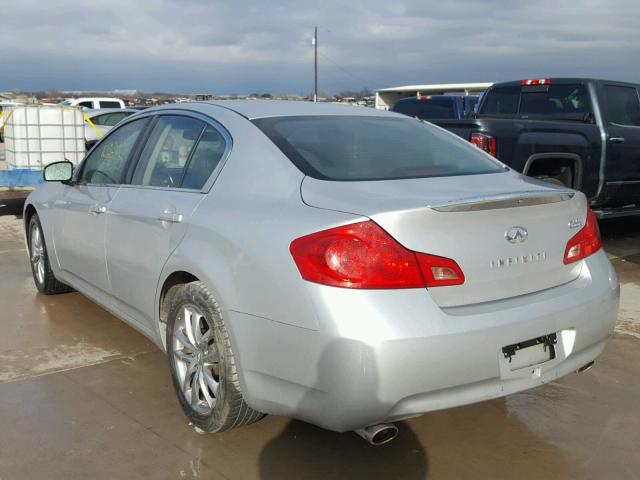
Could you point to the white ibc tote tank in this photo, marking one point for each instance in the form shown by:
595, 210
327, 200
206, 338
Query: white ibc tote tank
37, 135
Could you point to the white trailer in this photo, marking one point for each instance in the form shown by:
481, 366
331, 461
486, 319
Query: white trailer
386, 98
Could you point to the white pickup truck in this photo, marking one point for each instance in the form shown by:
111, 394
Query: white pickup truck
94, 103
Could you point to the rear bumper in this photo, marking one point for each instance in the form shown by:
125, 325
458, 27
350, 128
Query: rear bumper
385, 355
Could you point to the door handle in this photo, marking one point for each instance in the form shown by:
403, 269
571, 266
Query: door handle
170, 217
616, 139
98, 209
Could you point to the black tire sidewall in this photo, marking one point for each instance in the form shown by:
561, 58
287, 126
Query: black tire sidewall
191, 294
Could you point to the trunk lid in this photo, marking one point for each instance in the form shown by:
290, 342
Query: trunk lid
447, 216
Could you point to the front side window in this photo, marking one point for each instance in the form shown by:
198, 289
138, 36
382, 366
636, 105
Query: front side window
622, 105
373, 148
164, 158
86, 105
106, 163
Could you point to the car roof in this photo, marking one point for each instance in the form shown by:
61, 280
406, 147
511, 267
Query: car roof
252, 109
84, 99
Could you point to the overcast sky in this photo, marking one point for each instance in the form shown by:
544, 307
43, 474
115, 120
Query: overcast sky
249, 46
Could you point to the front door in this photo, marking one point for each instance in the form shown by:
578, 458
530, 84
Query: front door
79, 235
82, 211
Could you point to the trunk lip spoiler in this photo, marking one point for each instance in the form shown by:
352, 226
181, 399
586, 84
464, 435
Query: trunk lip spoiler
503, 201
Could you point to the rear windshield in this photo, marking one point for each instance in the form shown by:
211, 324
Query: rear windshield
568, 101
373, 148
428, 109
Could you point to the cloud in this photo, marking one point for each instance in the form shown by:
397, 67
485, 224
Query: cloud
234, 47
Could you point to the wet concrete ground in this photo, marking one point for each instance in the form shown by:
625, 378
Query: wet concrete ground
82, 395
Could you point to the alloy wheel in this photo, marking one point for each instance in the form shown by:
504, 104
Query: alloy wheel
196, 359
37, 253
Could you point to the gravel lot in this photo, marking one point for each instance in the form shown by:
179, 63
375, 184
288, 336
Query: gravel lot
82, 395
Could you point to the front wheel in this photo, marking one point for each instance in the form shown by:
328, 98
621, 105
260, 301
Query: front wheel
43, 277
202, 362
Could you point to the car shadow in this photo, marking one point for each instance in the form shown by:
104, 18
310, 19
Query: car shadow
303, 450
11, 207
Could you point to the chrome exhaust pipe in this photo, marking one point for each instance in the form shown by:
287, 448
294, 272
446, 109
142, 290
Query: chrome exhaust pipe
378, 434
586, 366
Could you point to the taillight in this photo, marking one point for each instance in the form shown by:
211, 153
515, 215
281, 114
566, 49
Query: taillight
362, 255
584, 243
535, 81
484, 142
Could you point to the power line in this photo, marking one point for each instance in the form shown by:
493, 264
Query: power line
344, 70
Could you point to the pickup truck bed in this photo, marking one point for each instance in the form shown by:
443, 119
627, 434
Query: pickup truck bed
580, 133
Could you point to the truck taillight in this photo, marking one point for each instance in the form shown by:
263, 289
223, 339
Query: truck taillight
484, 142
535, 81
584, 243
364, 256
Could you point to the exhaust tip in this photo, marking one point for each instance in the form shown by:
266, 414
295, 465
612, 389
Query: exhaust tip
378, 434
586, 366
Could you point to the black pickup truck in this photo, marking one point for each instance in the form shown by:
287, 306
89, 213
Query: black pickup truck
581, 133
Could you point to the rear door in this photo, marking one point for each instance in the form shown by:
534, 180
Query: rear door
84, 206
152, 213
621, 106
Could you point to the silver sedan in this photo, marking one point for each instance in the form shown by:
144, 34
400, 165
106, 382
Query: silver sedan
345, 266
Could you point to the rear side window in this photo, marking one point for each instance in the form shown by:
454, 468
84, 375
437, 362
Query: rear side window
106, 162
373, 148
622, 105
428, 109
164, 157
205, 159
110, 104
110, 119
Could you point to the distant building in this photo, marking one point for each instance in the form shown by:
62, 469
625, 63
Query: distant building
387, 97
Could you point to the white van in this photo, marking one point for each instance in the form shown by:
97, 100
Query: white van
94, 103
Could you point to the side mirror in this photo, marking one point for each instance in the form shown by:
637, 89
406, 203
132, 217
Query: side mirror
58, 171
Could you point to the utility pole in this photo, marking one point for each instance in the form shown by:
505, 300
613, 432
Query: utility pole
315, 64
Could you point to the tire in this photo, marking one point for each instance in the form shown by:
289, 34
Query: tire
202, 362
43, 276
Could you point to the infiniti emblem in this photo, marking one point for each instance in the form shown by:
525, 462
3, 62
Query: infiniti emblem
516, 234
